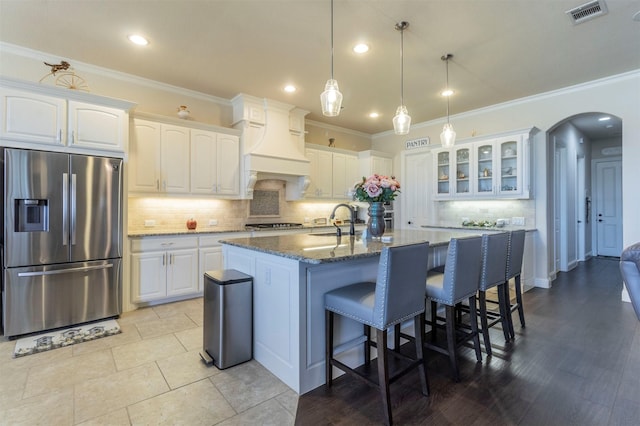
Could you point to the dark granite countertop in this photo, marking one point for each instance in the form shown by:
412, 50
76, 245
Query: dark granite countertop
325, 249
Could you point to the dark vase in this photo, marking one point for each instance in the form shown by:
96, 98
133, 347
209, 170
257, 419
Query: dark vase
375, 225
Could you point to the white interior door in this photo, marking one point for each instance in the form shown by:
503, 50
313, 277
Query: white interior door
415, 191
608, 207
580, 210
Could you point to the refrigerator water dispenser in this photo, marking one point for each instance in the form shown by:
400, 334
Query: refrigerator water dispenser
31, 215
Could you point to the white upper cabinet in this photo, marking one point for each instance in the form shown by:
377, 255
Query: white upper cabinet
174, 157
486, 168
36, 116
215, 163
159, 158
332, 174
96, 127
321, 167
144, 157
375, 162
31, 117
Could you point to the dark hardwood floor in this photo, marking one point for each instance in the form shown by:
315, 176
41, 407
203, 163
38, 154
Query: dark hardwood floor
577, 362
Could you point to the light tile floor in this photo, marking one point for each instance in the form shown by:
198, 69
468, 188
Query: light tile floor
150, 374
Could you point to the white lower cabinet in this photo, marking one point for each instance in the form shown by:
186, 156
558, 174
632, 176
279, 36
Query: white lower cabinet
163, 268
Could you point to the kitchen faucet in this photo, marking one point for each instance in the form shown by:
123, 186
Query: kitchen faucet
352, 229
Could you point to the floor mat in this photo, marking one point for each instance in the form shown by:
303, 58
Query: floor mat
65, 337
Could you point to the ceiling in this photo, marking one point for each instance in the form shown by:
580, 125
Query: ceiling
502, 49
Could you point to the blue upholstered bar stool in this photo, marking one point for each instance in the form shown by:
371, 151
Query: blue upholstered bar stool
494, 263
515, 254
458, 283
396, 296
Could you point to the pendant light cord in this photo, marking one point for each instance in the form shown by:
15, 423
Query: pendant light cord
331, 39
446, 62
402, 66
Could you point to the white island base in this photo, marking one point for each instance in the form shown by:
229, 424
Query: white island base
288, 296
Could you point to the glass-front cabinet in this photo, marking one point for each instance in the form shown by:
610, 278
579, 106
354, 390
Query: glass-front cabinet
443, 171
510, 156
484, 168
485, 162
464, 169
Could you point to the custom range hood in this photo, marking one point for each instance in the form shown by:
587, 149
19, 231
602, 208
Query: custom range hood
272, 143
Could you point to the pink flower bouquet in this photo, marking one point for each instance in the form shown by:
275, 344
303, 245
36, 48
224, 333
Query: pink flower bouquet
377, 188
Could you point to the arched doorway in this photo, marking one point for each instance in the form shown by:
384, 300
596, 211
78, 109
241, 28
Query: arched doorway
586, 187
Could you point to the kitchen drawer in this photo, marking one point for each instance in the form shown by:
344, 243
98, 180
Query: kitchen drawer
163, 243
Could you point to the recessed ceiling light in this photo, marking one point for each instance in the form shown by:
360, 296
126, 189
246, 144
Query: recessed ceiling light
604, 118
290, 88
361, 48
138, 39
374, 115
447, 92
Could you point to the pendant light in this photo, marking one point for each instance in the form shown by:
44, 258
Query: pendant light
402, 119
448, 135
331, 98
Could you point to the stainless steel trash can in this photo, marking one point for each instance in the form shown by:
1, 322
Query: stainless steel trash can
228, 318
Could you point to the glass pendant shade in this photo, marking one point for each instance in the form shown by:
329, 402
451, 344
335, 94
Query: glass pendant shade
401, 121
331, 99
448, 136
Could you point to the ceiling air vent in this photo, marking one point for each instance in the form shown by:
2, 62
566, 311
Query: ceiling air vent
587, 11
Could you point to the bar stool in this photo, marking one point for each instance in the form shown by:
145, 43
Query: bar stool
396, 296
459, 282
514, 267
494, 263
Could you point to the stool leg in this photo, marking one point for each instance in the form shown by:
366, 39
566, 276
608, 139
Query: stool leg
383, 374
396, 337
434, 319
503, 304
418, 325
519, 300
328, 324
367, 345
451, 341
473, 318
507, 297
484, 322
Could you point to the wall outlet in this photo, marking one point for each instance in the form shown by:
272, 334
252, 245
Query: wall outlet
149, 223
517, 221
213, 222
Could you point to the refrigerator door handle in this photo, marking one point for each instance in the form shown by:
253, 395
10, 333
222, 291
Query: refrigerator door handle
64, 271
73, 208
65, 209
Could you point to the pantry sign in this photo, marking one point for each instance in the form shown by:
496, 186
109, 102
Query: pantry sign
417, 143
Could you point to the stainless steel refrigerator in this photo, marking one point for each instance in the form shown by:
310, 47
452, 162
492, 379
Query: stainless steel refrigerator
61, 239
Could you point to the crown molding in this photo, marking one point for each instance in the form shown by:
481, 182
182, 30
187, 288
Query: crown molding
105, 72
337, 128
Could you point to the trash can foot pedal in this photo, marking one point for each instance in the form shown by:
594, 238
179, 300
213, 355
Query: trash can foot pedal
206, 358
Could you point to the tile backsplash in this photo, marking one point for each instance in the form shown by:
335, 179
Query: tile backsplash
172, 213
452, 213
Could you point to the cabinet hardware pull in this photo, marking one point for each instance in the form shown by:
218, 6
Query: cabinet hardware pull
64, 271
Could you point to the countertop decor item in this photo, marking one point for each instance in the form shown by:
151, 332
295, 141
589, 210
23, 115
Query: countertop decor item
375, 190
192, 224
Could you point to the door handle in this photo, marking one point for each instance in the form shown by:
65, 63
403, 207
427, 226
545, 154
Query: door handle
65, 209
74, 214
600, 220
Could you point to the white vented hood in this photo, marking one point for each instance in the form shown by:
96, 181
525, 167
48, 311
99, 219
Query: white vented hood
272, 143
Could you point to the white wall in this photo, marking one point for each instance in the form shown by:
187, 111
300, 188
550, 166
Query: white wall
617, 95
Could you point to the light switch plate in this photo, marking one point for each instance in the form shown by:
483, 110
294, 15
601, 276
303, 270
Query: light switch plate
149, 223
213, 222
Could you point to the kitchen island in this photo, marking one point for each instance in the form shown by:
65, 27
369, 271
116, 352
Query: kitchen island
291, 275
